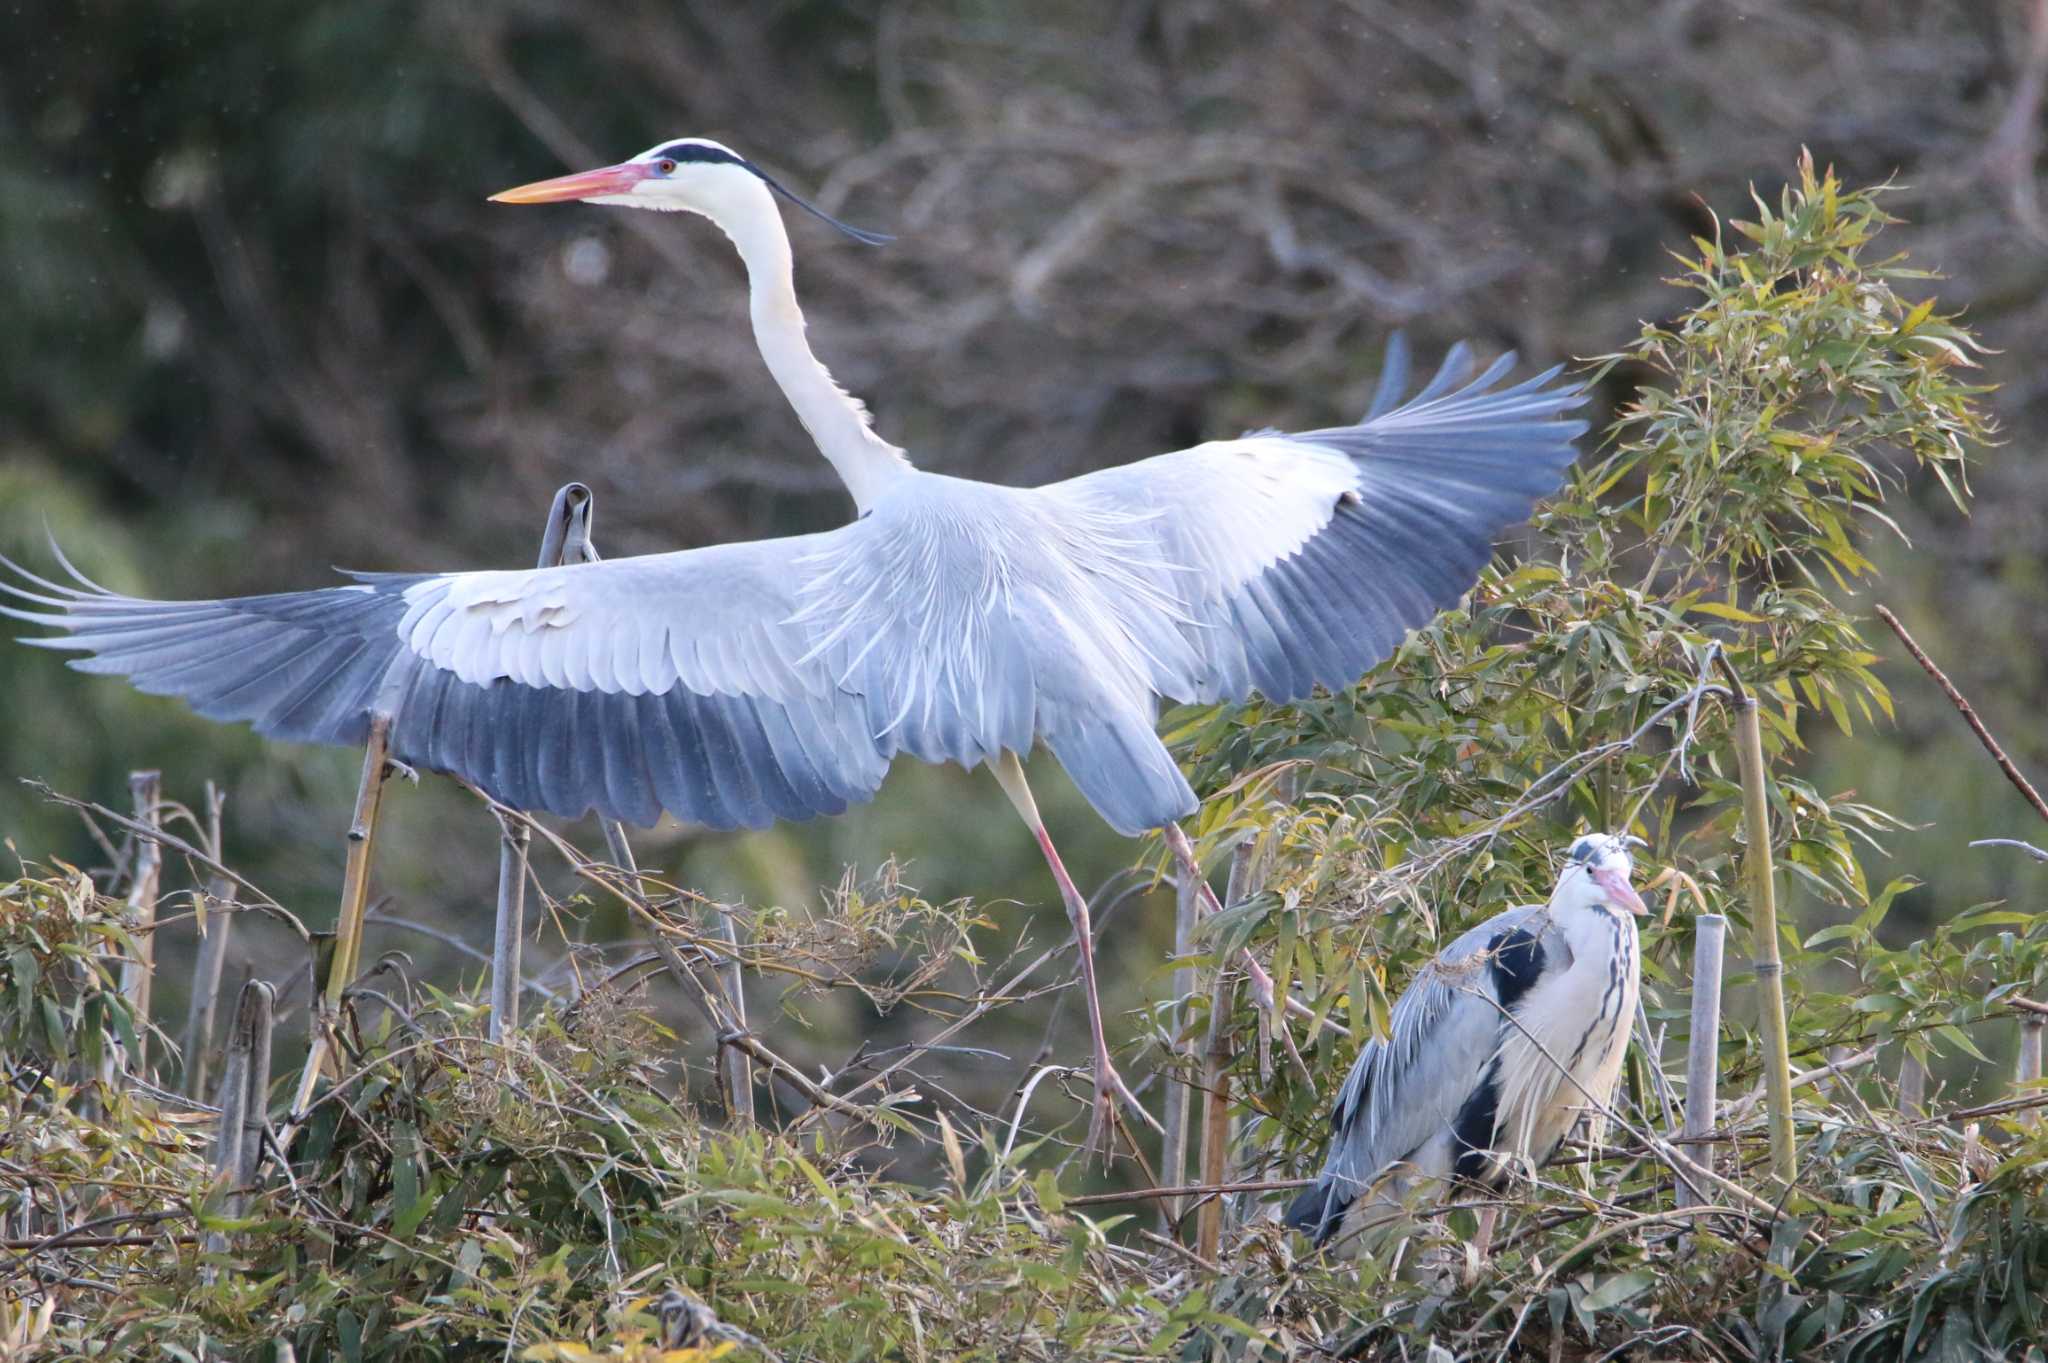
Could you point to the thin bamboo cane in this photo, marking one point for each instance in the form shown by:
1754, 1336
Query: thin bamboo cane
1768, 966
1703, 1047
1173, 1160
213, 954
138, 969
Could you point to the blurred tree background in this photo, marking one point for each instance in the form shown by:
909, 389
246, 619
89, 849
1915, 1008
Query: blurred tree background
261, 321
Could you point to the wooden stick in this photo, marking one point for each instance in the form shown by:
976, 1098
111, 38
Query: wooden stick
348, 930
2012, 773
138, 970
1173, 1157
1703, 1047
510, 932
1769, 967
213, 955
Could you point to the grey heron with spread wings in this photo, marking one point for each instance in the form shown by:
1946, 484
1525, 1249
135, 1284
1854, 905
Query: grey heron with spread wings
953, 620
1516, 1030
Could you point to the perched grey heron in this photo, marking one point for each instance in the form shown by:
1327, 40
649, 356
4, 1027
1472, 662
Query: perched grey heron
953, 620
1516, 1029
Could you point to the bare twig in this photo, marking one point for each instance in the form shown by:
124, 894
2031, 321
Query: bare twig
2012, 773
261, 902
1269, 1185
2036, 853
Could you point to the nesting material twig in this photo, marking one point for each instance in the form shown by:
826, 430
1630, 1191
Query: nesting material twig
1769, 968
2012, 773
1703, 1047
216, 931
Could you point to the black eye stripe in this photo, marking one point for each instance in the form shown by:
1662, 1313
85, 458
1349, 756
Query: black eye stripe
689, 153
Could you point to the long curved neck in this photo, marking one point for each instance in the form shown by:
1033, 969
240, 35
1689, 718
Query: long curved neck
837, 421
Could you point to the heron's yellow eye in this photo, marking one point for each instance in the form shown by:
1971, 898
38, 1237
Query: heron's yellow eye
665, 166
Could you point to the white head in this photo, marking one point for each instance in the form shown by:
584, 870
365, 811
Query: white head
1596, 875
683, 175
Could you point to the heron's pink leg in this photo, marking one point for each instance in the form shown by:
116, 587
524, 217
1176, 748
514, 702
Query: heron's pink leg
1109, 1085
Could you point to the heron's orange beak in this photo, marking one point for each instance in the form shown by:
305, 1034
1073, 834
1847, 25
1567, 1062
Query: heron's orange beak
1619, 892
588, 184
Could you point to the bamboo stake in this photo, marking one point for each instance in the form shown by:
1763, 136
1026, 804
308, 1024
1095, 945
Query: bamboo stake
1765, 961
348, 930
213, 955
1173, 1157
513, 839
1216, 1076
138, 970
1703, 1047
735, 1066
257, 1012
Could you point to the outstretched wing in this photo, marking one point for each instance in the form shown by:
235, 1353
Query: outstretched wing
1301, 559
671, 681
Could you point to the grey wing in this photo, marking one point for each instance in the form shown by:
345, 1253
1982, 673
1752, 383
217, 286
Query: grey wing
1297, 559
672, 681
1407, 1089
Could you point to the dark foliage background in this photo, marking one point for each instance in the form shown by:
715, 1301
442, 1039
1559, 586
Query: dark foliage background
261, 321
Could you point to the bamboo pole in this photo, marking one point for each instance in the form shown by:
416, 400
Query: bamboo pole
256, 1012
138, 969
1216, 1056
1765, 961
735, 1066
1703, 1047
513, 839
213, 954
1173, 1159
348, 930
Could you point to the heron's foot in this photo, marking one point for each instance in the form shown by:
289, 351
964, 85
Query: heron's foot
1110, 1090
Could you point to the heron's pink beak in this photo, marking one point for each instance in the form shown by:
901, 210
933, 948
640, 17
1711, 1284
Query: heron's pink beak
1619, 892
588, 184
